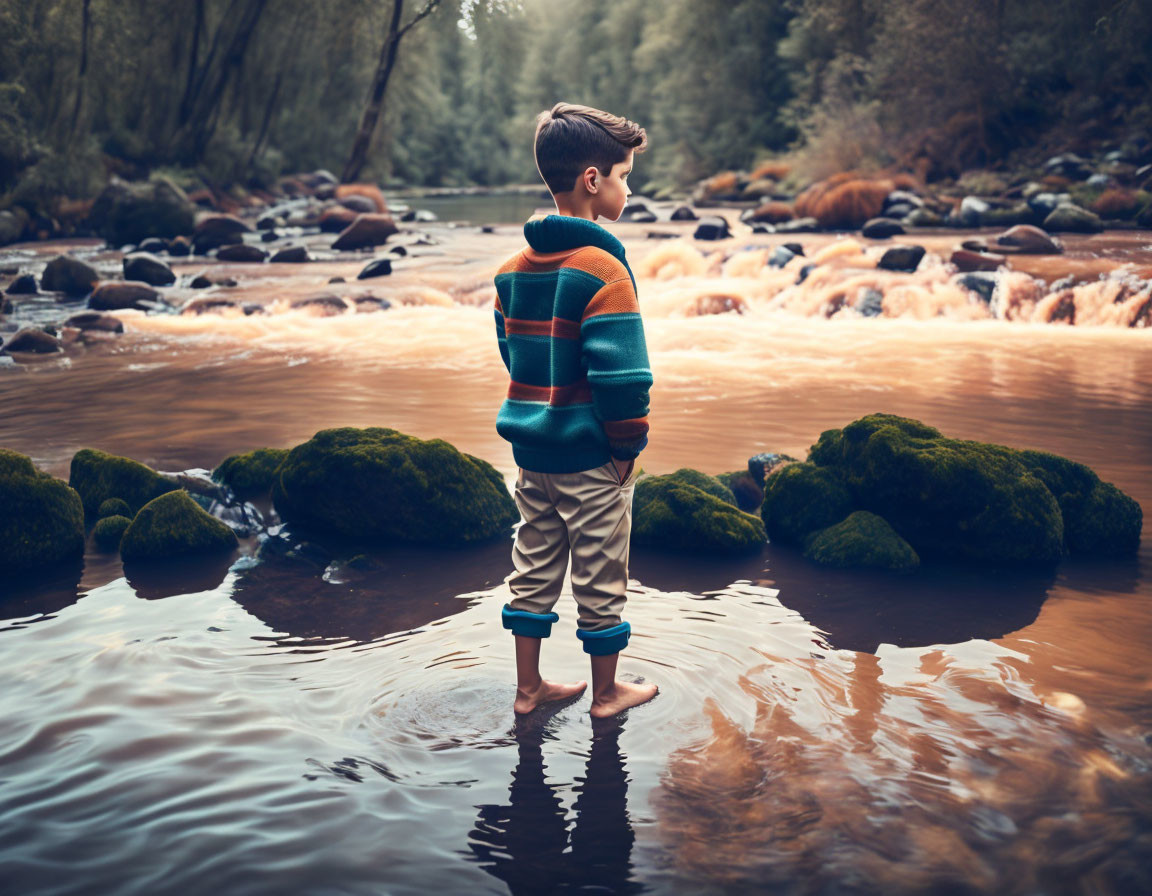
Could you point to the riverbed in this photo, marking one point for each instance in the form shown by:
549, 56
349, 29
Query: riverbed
302, 724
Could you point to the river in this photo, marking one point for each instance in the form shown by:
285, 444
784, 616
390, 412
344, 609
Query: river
297, 723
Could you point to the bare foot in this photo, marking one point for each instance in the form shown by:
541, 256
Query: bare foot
624, 695
526, 701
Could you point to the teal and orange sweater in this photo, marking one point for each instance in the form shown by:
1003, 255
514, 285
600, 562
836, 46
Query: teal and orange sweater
569, 329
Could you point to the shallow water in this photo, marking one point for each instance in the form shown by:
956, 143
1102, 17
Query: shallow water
297, 723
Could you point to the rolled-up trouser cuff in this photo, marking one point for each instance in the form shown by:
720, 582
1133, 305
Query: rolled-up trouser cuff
529, 625
606, 640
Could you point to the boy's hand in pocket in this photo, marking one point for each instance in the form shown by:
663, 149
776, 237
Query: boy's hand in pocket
623, 468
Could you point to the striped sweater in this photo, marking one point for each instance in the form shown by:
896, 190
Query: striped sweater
569, 330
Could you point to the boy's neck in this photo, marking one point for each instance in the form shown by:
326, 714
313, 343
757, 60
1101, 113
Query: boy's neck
574, 207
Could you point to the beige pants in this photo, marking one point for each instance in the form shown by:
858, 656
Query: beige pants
587, 515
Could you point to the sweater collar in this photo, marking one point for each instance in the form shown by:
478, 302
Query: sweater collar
556, 233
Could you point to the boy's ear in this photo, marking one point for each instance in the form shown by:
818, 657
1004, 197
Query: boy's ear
591, 179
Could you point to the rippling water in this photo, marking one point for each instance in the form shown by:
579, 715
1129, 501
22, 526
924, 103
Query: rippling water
302, 724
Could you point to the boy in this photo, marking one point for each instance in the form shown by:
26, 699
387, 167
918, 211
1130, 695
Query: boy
569, 330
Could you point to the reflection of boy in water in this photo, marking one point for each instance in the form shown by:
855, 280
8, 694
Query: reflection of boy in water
569, 330
525, 843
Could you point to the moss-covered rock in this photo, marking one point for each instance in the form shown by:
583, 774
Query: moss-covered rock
748, 492
98, 476
861, 539
670, 512
1099, 519
802, 498
710, 484
41, 518
109, 531
114, 507
250, 474
171, 525
381, 484
948, 498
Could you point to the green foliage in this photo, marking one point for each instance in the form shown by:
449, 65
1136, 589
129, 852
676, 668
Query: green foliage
861, 539
109, 531
380, 484
173, 525
98, 476
42, 522
250, 474
710, 484
670, 512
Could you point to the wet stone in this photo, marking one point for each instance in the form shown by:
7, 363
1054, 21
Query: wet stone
24, 285
376, 268
902, 258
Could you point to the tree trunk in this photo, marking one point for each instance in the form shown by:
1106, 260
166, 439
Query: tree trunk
86, 21
371, 117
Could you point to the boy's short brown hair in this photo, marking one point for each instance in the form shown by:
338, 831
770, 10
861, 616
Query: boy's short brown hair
570, 137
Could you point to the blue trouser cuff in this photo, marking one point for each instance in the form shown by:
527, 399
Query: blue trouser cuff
529, 625
606, 640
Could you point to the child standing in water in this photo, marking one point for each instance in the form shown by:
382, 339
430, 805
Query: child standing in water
569, 330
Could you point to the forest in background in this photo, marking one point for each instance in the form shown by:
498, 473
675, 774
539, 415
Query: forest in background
219, 92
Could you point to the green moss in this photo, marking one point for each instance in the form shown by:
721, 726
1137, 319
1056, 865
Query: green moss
669, 512
171, 525
802, 498
951, 498
381, 484
862, 539
42, 519
114, 507
109, 531
250, 474
98, 476
710, 484
749, 495
1099, 519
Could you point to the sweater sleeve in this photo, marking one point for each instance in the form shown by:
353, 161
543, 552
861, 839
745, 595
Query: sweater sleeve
616, 357
501, 335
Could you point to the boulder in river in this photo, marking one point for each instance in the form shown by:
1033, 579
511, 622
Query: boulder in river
114, 507
324, 305
250, 474
688, 510
69, 275
95, 320
24, 285
861, 539
147, 268
1072, 219
98, 476
380, 484
113, 295
172, 525
901, 258
881, 228
42, 523
761, 467
712, 227
109, 530
749, 495
335, 219
963, 500
241, 252
131, 212
802, 498
1027, 239
366, 231
378, 267
32, 339
214, 231
291, 255
965, 260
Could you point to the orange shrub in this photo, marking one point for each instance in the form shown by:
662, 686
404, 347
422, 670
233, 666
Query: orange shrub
724, 182
1116, 204
773, 212
773, 169
843, 201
